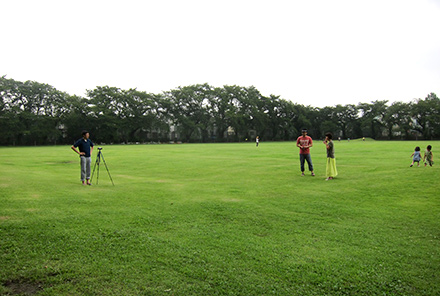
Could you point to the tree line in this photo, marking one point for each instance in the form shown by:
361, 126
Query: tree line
33, 113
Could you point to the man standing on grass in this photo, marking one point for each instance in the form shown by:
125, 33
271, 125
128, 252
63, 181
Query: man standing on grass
304, 143
85, 146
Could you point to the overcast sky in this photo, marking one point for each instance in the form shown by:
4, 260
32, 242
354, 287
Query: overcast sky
318, 53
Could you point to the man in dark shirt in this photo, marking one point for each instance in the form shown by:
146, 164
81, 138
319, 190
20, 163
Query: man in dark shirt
85, 149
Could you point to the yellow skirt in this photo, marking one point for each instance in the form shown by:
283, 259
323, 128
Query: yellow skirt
330, 170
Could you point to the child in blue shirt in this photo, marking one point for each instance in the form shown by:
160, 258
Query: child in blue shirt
416, 157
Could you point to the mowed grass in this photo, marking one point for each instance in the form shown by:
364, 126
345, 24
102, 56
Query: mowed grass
220, 219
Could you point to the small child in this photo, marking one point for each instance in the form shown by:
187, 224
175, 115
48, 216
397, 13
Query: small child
416, 157
428, 157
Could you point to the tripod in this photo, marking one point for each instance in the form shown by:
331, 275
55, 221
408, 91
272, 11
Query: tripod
97, 163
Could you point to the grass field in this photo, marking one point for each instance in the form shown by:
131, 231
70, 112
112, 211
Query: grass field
220, 219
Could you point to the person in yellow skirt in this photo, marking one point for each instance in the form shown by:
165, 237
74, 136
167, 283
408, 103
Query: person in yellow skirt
330, 170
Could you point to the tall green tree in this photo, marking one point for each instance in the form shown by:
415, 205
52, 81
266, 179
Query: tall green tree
275, 121
287, 113
326, 122
32, 111
426, 114
398, 120
257, 107
434, 118
346, 117
106, 110
189, 110
373, 115
137, 116
239, 112
220, 110
79, 117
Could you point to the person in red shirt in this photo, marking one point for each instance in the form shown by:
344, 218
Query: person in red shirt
304, 143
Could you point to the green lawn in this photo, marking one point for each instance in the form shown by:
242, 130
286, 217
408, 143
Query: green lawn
220, 219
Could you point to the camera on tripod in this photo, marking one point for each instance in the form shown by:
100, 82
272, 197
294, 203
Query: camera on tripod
97, 163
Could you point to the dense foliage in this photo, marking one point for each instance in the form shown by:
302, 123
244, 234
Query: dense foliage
33, 113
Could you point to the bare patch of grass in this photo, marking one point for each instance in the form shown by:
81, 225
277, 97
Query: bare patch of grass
22, 287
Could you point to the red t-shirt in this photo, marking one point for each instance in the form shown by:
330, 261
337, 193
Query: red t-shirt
304, 141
